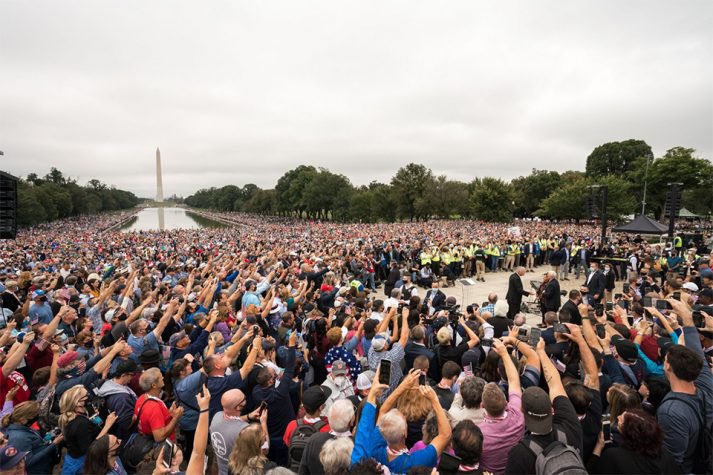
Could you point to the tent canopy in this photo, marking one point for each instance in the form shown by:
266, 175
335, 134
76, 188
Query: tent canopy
642, 225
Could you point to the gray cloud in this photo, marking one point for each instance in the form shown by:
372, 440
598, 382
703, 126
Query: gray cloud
239, 92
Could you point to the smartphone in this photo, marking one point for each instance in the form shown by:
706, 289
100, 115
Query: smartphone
677, 295
486, 342
617, 296
522, 334
627, 288
560, 328
422, 379
21, 336
662, 305
606, 428
590, 314
385, 372
468, 369
610, 306
256, 330
535, 334
601, 331
648, 302
699, 320
599, 310
167, 453
263, 406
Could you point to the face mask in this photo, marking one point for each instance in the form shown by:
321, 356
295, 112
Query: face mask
340, 380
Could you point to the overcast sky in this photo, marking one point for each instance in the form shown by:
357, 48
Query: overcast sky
238, 92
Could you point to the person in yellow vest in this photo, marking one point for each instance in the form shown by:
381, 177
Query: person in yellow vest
510, 257
678, 244
518, 252
436, 262
425, 258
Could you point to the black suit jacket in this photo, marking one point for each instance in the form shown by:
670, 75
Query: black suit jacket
596, 285
551, 296
515, 290
413, 350
573, 312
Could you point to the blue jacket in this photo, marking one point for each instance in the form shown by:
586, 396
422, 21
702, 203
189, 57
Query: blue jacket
122, 400
185, 392
42, 455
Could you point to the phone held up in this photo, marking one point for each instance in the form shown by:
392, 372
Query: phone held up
385, 372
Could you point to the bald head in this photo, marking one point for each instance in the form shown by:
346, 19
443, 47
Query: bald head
520, 271
233, 401
492, 297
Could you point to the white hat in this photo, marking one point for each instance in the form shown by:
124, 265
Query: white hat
93, 276
690, 286
364, 380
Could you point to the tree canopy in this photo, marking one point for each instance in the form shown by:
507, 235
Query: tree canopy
55, 196
416, 193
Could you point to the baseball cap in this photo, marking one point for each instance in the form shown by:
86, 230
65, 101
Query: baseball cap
379, 341
626, 349
93, 276
537, 409
364, 380
38, 294
339, 368
707, 273
67, 359
690, 286
10, 457
314, 397
126, 367
176, 337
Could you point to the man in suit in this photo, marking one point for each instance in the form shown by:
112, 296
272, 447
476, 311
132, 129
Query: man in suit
571, 306
515, 292
528, 250
417, 347
593, 287
550, 298
435, 297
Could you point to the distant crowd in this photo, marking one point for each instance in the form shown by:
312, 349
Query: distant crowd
286, 346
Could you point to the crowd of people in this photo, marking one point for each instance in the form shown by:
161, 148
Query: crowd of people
285, 346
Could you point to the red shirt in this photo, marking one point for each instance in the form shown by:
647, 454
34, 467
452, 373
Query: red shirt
9, 382
293, 425
154, 415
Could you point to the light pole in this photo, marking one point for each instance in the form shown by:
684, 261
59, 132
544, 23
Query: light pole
646, 177
605, 200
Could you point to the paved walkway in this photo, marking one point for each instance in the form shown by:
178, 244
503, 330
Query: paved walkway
498, 282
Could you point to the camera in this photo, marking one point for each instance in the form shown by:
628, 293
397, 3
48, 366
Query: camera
453, 314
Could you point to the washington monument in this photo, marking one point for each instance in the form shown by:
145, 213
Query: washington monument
159, 181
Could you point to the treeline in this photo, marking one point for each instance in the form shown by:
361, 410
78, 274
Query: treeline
54, 196
415, 193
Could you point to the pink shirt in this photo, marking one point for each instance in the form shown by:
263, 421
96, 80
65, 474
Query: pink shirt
501, 434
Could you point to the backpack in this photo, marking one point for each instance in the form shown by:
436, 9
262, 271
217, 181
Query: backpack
298, 441
703, 456
557, 458
49, 409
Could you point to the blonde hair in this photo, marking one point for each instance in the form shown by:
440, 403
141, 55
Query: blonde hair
247, 453
23, 412
68, 405
414, 405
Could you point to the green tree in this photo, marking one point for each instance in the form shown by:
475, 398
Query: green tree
616, 158
530, 190
290, 189
679, 165
568, 202
491, 199
29, 208
409, 184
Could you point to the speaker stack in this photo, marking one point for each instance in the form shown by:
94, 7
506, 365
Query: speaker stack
8, 206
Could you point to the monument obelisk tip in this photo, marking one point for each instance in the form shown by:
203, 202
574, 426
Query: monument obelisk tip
159, 179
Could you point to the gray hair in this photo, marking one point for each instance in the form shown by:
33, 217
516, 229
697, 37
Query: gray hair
340, 415
471, 390
280, 471
392, 426
148, 378
336, 455
501, 308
